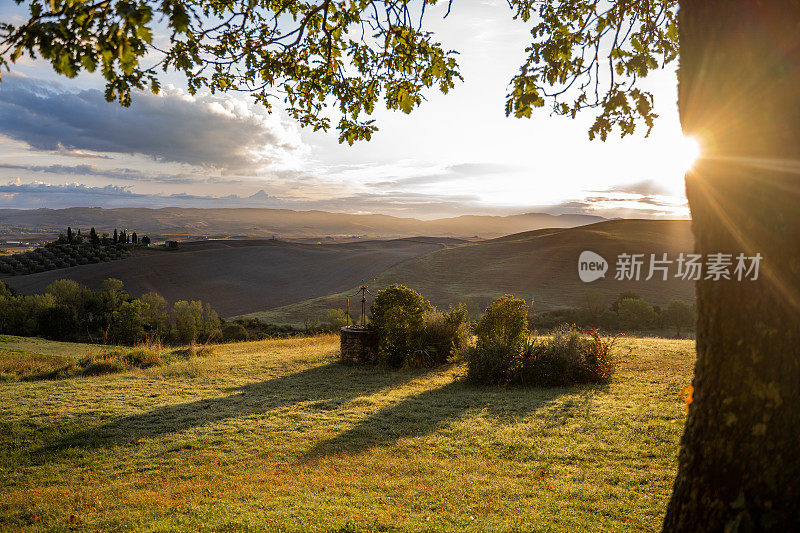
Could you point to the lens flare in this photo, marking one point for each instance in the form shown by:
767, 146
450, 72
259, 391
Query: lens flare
688, 152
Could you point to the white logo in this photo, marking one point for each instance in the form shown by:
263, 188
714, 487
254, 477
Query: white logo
591, 266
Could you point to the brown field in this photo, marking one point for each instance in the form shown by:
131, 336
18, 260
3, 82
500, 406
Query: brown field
541, 264
239, 277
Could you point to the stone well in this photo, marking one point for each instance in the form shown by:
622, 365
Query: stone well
359, 344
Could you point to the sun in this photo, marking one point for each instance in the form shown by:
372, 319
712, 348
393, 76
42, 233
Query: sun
687, 151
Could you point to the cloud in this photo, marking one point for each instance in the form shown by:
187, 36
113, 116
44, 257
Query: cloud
208, 130
38, 194
19, 195
450, 173
647, 187
122, 174
81, 154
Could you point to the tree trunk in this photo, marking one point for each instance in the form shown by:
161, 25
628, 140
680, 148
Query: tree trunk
739, 467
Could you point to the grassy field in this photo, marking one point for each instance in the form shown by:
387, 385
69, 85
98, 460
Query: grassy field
542, 264
277, 435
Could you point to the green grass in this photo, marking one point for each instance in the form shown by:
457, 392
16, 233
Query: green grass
277, 435
46, 347
28, 358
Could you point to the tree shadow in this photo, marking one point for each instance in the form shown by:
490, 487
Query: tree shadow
328, 385
434, 409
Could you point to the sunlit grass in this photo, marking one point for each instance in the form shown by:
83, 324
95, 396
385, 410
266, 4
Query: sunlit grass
278, 435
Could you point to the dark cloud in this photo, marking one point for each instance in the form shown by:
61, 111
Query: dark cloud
205, 130
123, 174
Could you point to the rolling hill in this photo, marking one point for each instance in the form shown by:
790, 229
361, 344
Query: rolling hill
238, 276
542, 264
180, 223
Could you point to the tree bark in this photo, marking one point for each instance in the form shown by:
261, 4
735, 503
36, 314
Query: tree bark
739, 95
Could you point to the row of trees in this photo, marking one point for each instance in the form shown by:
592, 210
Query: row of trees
628, 312
69, 311
118, 237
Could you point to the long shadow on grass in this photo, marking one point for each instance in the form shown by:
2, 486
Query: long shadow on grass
435, 409
328, 386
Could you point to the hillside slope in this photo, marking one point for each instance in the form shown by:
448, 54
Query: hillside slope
252, 222
542, 264
239, 277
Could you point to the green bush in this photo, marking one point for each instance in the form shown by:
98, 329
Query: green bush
412, 333
679, 314
494, 363
566, 357
445, 335
556, 361
336, 319
504, 323
501, 335
234, 332
195, 322
398, 315
636, 314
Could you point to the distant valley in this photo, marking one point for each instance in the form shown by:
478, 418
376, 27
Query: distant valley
187, 224
289, 282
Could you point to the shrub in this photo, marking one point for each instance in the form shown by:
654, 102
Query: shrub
493, 363
679, 314
635, 313
234, 332
446, 335
398, 314
600, 365
256, 329
336, 319
195, 322
567, 357
624, 296
559, 360
504, 323
501, 335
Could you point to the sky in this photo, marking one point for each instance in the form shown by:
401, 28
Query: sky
63, 145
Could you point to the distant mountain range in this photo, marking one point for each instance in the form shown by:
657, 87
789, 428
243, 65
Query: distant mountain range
179, 223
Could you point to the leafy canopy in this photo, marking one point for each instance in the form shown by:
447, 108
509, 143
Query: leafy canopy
336, 59
590, 54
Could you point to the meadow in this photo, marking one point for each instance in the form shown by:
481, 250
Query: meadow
278, 435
